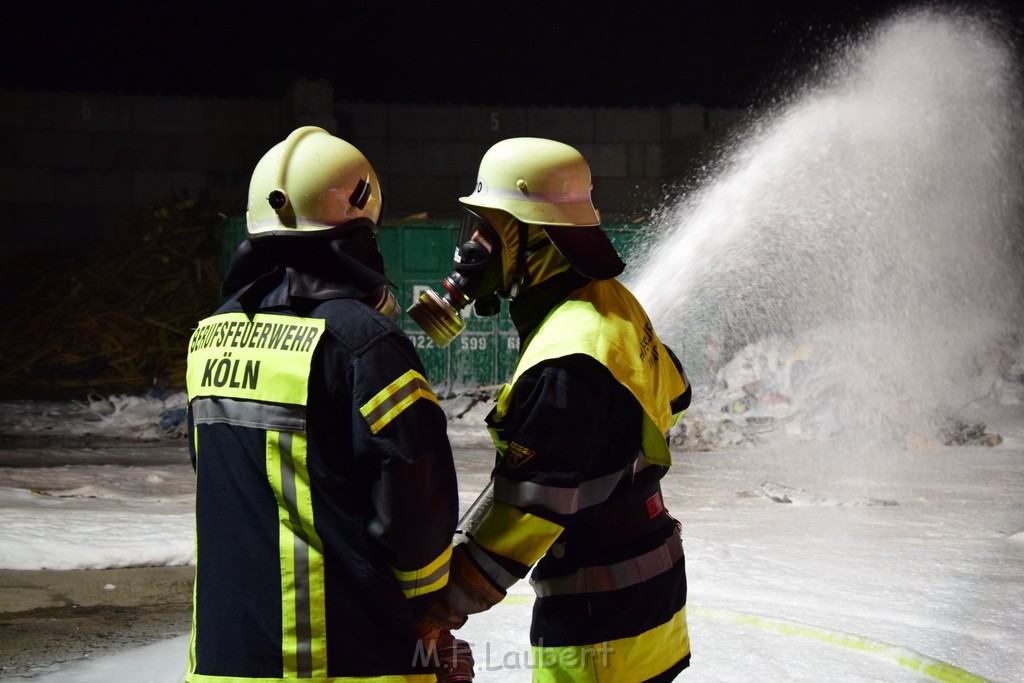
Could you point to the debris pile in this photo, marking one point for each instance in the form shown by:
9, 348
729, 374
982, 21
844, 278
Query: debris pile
791, 495
801, 389
114, 317
960, 433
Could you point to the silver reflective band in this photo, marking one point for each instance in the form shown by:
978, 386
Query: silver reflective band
493, 570
269, 416
615, 576
560, 500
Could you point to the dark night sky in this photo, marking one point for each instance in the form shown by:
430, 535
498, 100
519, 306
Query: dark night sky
630, 52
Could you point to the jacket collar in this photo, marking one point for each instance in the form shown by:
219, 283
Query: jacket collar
529, 308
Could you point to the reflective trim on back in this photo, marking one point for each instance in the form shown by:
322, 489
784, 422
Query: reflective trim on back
266, 358
304, 612
248, 414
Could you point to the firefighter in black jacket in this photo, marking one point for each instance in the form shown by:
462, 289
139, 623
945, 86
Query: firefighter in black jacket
580, 431
326, 496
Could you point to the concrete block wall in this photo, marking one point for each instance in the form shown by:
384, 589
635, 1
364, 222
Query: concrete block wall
77, 165
428, 154
74, 166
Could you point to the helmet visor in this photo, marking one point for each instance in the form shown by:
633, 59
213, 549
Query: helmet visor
476, 228
478, 256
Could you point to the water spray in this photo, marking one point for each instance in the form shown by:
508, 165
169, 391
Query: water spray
878, 214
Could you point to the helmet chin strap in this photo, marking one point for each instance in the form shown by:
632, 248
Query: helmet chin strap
518, 276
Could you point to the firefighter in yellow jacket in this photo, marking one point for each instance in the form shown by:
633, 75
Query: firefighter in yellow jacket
580, 431
326, 496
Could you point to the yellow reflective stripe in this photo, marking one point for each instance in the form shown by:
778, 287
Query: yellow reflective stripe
428, 578
509, 532
653, 443
266, 358
501, 399
394, 398
392, 678
195, 554
626, 659
303, 609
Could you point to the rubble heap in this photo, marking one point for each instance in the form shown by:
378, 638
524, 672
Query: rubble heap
116, 316
798, 389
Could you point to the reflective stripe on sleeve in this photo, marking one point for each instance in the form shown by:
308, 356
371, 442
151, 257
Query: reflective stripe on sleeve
394, 398
492, 569
560, 500
432, 577
268, 416
614, 576
517, 535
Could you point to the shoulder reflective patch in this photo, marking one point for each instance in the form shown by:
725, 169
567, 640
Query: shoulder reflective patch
265, 358
427, 579
394, 398
517, 454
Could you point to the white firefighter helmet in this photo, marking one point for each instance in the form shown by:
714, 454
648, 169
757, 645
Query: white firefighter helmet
539, 181
547, 183
311, 182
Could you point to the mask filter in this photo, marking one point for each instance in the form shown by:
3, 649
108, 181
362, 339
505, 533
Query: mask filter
437, 316
384, 301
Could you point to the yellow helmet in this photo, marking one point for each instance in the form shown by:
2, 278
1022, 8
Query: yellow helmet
311, 182
539, 181
545, 183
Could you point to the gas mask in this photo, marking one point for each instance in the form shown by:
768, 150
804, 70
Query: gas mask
476, 277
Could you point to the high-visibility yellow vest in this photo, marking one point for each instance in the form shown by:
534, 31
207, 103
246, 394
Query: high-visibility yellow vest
604, 320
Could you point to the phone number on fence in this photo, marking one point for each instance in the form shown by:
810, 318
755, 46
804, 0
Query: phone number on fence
463, 343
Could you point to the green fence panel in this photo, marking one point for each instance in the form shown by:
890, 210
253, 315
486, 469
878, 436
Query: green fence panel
417, 256
230, 234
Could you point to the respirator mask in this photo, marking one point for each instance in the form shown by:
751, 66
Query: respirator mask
476, 276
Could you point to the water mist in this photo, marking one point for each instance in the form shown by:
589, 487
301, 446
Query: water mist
877, 214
